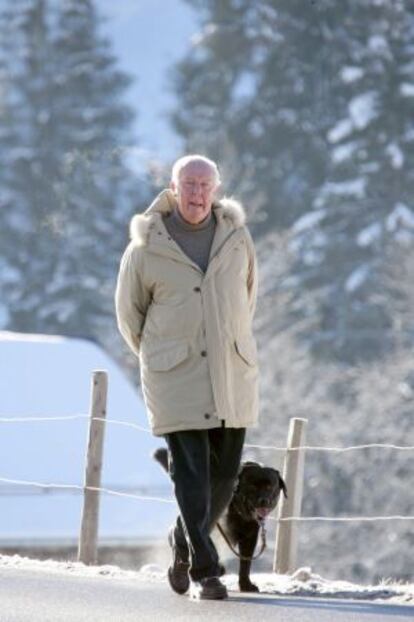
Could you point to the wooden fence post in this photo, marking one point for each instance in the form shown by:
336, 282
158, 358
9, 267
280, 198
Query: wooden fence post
293, 472
88, 538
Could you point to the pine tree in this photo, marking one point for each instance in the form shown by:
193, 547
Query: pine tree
306, 106
67, 191
255, 93
364, 209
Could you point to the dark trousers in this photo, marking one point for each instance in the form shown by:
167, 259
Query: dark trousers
203, 465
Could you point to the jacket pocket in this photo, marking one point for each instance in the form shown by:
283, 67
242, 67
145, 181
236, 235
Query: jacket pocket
165, 355
247, 350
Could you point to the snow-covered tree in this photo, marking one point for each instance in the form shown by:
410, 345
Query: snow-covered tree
65, 191
364, 209
255, 93
306, 106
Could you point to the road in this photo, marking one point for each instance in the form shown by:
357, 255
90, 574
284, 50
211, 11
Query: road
42, 596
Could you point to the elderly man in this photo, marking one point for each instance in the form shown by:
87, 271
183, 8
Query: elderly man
185, 299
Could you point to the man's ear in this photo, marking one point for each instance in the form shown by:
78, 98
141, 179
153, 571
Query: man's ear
173, 186
218, 194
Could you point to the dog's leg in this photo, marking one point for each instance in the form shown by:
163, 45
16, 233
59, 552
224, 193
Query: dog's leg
247, 544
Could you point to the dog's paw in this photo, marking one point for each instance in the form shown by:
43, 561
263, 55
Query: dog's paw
248, 586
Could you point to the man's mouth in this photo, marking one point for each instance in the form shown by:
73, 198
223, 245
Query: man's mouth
196, 205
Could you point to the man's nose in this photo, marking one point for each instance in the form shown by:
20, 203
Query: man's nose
196, 189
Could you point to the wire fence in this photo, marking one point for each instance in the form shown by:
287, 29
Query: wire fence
48, 486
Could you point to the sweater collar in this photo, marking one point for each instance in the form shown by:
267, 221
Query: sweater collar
183, 224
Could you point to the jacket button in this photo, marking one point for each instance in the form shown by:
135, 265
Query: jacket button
197, 289
204, 353
206, 416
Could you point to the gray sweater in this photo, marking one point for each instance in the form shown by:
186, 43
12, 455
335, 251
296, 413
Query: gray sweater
194, 240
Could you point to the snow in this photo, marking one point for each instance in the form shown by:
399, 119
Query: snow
308, 220
369, 235
370, 167
362, 109
9, 274
200, 37
303, 582
308, 240
270, 13
351, 74
357, 278
395, 154
407, 89
341, 153
21, 153
62, 309
287, 116
50, 376
379, 45
259, 54
341, 130
349, 188
312, 257
86, 68
401, 216
405, 390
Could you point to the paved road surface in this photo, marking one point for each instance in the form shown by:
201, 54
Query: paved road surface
39, 596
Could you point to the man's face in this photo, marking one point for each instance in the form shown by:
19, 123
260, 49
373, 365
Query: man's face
195, 191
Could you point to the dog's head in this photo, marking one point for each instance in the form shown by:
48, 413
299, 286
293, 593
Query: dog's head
258, 490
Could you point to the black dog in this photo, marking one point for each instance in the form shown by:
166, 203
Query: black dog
256, 494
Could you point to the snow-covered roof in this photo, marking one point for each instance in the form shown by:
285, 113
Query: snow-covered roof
50, 376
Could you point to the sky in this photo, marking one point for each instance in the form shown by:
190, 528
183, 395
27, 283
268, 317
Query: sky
148, 37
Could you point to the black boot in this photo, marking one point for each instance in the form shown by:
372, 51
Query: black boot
178, 571
210, 588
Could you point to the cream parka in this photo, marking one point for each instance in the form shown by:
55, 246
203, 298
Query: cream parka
192, 331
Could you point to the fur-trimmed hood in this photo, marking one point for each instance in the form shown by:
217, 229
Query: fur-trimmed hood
226, 208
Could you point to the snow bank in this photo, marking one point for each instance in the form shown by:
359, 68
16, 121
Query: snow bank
303, 582
47, 376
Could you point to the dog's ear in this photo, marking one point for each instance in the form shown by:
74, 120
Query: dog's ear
281, 482
282, 485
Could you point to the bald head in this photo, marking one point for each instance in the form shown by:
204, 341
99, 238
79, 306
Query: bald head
181, 163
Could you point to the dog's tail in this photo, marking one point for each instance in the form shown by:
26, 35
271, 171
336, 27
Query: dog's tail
161, 456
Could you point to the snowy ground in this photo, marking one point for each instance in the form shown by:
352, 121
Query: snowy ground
302, 583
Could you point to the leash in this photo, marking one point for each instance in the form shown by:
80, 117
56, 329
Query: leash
262, 536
